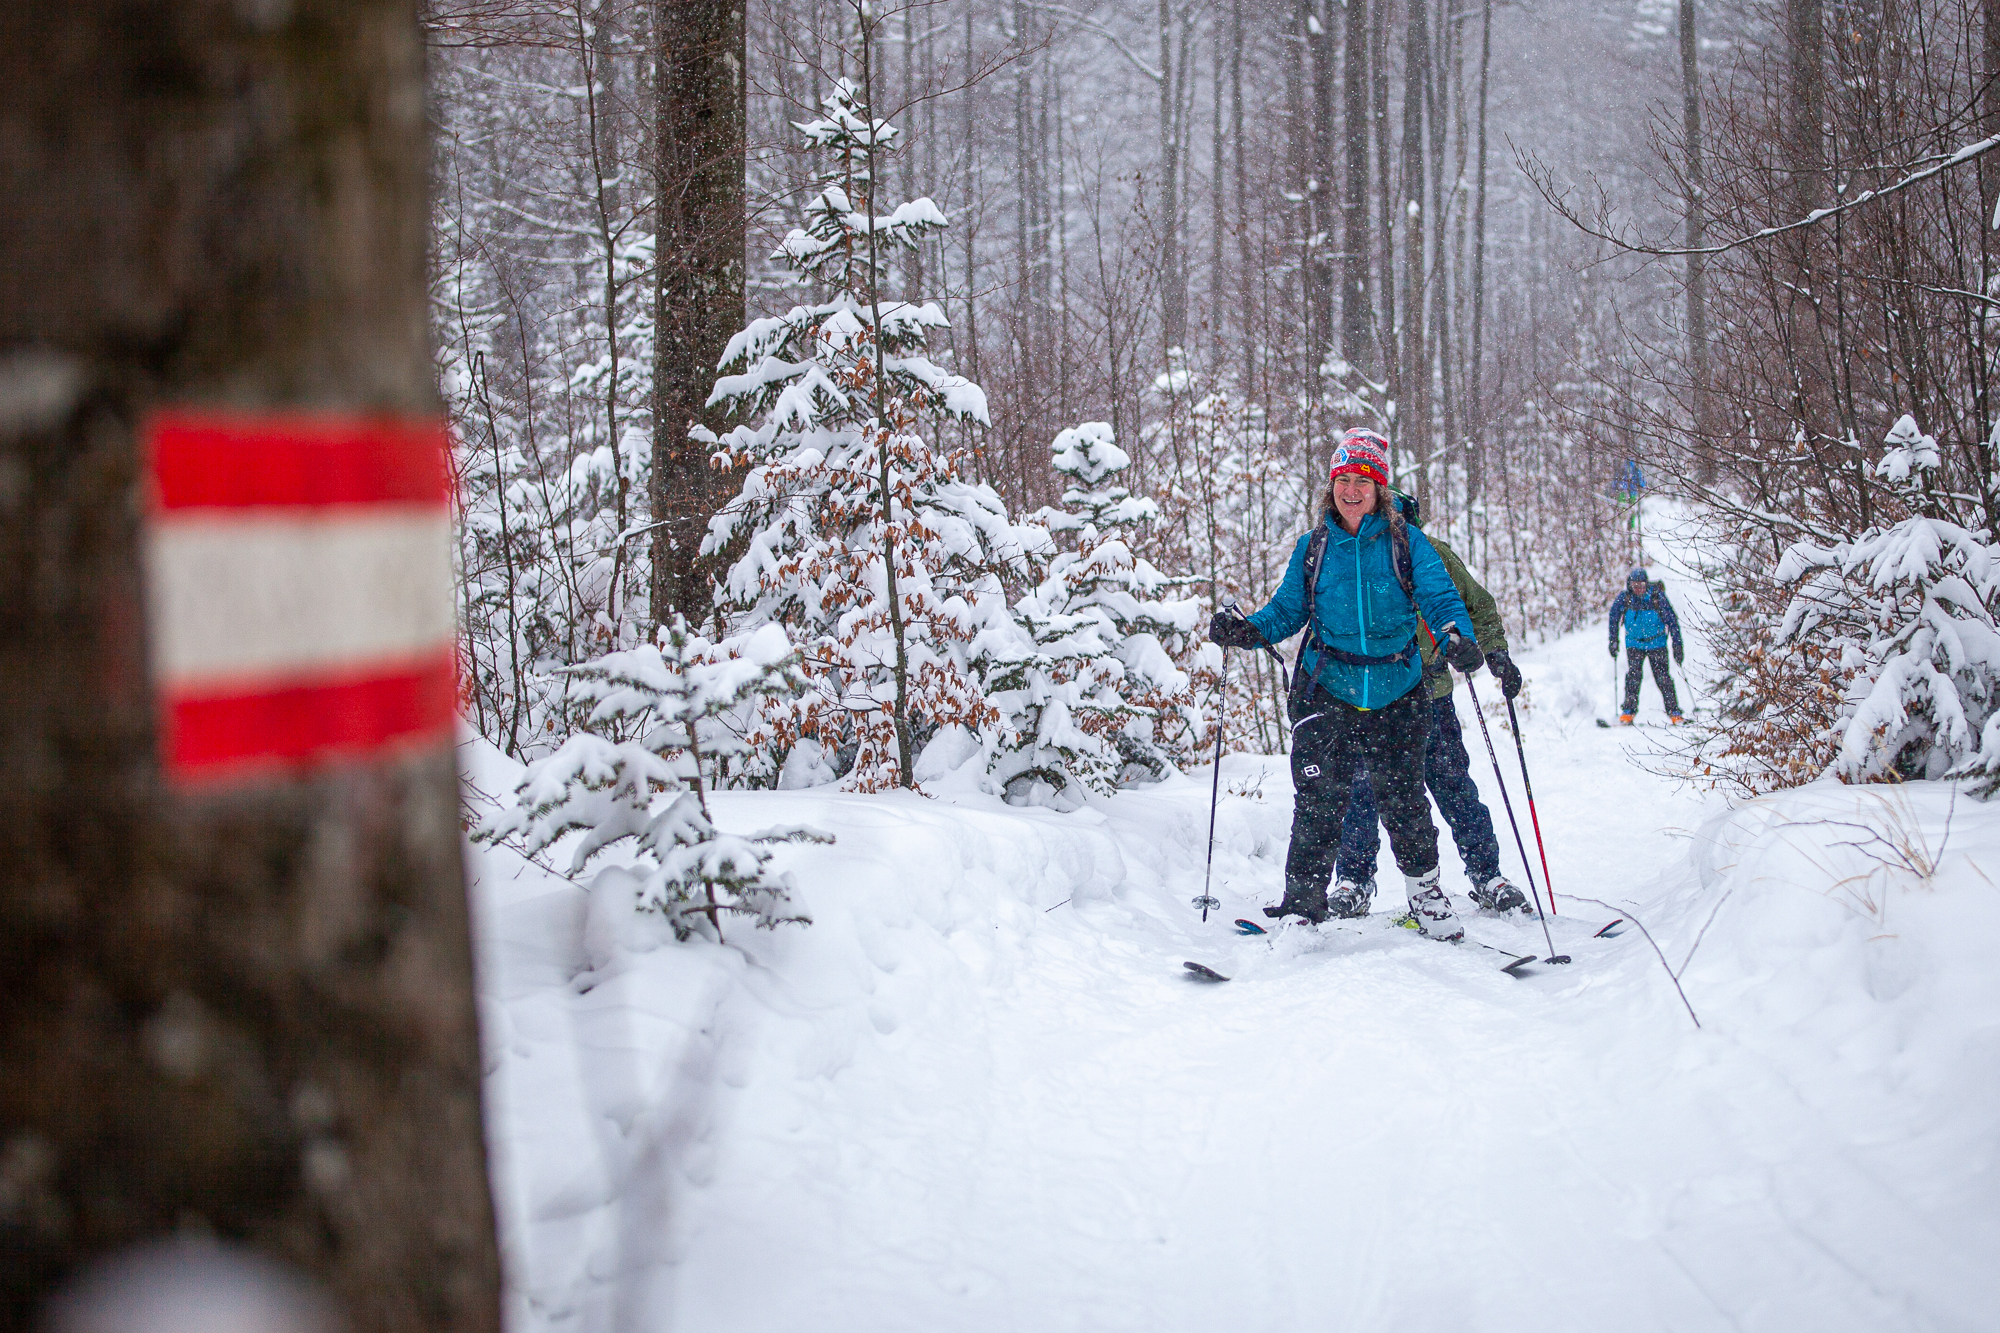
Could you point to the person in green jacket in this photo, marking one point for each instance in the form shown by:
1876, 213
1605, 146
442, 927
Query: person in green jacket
1447, 765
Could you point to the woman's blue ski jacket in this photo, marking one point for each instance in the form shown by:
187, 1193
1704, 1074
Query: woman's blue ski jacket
1363, 610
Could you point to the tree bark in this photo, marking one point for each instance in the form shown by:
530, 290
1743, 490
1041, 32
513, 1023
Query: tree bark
1805, 140
1321, 191
1385, 232
1440, 274
1354, 311
1413, 400
700, 109
1697, 236
1173, 282
1475, 410
1246, 260
247, 1009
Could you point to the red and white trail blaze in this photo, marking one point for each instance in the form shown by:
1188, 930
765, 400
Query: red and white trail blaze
299, 589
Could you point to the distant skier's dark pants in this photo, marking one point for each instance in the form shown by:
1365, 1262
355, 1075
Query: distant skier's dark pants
1448, 774
1635, 663
1334, 742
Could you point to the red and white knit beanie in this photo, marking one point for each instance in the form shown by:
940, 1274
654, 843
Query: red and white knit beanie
1362, 451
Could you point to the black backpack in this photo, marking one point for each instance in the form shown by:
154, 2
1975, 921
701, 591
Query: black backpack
1406, 575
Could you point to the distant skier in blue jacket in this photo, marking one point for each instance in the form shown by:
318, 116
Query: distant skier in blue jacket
1648, 618
1365, 702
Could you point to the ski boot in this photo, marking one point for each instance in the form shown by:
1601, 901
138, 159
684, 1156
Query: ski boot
1624, 719
1307, 903
1430, 905
1497, 895
1351, 897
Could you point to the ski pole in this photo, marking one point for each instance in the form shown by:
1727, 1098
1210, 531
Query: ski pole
1209, 901
1514, 723
1519, 842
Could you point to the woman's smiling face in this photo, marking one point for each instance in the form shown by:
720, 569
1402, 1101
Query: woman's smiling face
1353, 498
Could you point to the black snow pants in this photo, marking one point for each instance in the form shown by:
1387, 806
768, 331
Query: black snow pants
1448, 775
1334, 740
1635, 664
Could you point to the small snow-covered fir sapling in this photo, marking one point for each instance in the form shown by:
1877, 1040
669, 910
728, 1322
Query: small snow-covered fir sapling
1054, 683
856, 532
1910, 608
1091, 692
674, 703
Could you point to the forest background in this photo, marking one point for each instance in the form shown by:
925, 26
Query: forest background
1229, 230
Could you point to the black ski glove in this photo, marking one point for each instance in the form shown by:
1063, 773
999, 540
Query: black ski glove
1233, 631
1614, 652
1678, 658
1504, 671
1463, 653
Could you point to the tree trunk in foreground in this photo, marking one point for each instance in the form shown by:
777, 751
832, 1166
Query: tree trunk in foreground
241, 1009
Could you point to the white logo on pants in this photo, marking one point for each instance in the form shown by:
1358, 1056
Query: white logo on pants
1312, 770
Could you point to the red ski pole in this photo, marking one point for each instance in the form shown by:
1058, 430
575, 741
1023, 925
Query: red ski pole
1514, 725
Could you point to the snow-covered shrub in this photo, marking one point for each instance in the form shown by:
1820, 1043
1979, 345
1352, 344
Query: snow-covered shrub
1054, 683
1089, 687
1908, 610
1776, 705
859, 535
672, 704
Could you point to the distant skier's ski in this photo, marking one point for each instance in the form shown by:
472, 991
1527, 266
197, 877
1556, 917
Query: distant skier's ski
1249, 928
1203, 972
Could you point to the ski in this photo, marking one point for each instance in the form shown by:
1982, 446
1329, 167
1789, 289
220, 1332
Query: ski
1516, 966
1203, 972
1609, 930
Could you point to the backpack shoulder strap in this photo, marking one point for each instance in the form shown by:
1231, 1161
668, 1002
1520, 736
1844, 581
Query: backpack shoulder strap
1399, 556
1315, 554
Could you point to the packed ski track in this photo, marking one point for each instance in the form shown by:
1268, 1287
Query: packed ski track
980, 1092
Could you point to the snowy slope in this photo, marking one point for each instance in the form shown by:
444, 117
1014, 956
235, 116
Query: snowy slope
979, 1092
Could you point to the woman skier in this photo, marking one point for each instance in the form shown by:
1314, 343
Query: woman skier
1447, 764
1360, 698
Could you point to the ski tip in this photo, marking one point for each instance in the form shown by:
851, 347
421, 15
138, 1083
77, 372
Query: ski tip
1203, 972
1516, 968
1249, 928
1602, 723
1609, 930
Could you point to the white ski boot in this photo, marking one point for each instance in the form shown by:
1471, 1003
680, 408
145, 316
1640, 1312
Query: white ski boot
1351, 898
1497, 895
1430, 905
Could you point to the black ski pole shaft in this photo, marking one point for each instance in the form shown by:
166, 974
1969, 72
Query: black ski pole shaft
1514, 724
1508, 803
1208, 900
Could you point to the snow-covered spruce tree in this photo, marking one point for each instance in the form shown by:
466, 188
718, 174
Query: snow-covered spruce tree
658, 713
1909, 608
1096, 695
859, 535
1054, 684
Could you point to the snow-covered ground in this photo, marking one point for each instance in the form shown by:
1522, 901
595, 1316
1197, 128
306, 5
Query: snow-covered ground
980, 1093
